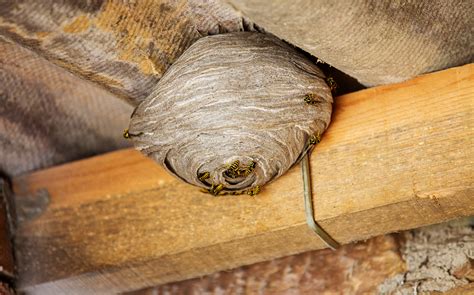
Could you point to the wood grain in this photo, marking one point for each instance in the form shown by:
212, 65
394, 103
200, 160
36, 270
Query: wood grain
354, 269
125, 46
426, 260
395, 157
376, 42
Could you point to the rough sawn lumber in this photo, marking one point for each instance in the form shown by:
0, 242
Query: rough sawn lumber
395, 157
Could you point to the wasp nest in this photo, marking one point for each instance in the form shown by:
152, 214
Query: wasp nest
233, 113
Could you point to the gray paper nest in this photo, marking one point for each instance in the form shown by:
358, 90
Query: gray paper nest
228, 98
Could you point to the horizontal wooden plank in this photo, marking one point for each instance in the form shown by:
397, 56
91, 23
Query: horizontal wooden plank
395, 157
357, 268
404, 263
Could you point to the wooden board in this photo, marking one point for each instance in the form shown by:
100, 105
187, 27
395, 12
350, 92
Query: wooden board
395, 157
426, 260
124, 46
376, 42
357, 268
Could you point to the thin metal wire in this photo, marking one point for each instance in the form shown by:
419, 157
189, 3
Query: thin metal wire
308, 204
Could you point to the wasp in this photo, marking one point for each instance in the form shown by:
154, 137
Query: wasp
253, 191
204, 176
216, 189
331, 83
249, 169
310, 98
234, 166
233, 169
314, 139
127, 134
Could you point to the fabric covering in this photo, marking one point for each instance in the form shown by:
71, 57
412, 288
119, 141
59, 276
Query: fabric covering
48, 116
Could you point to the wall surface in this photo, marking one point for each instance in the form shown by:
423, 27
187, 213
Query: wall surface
431, 259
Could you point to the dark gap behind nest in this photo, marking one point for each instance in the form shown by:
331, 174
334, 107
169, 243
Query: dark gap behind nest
345, 83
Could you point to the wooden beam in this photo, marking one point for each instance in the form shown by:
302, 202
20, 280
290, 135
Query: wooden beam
388, 264
357, 268
375, 42
125, 46
395, 157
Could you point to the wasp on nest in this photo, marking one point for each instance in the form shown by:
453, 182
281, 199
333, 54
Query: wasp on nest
228, 116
